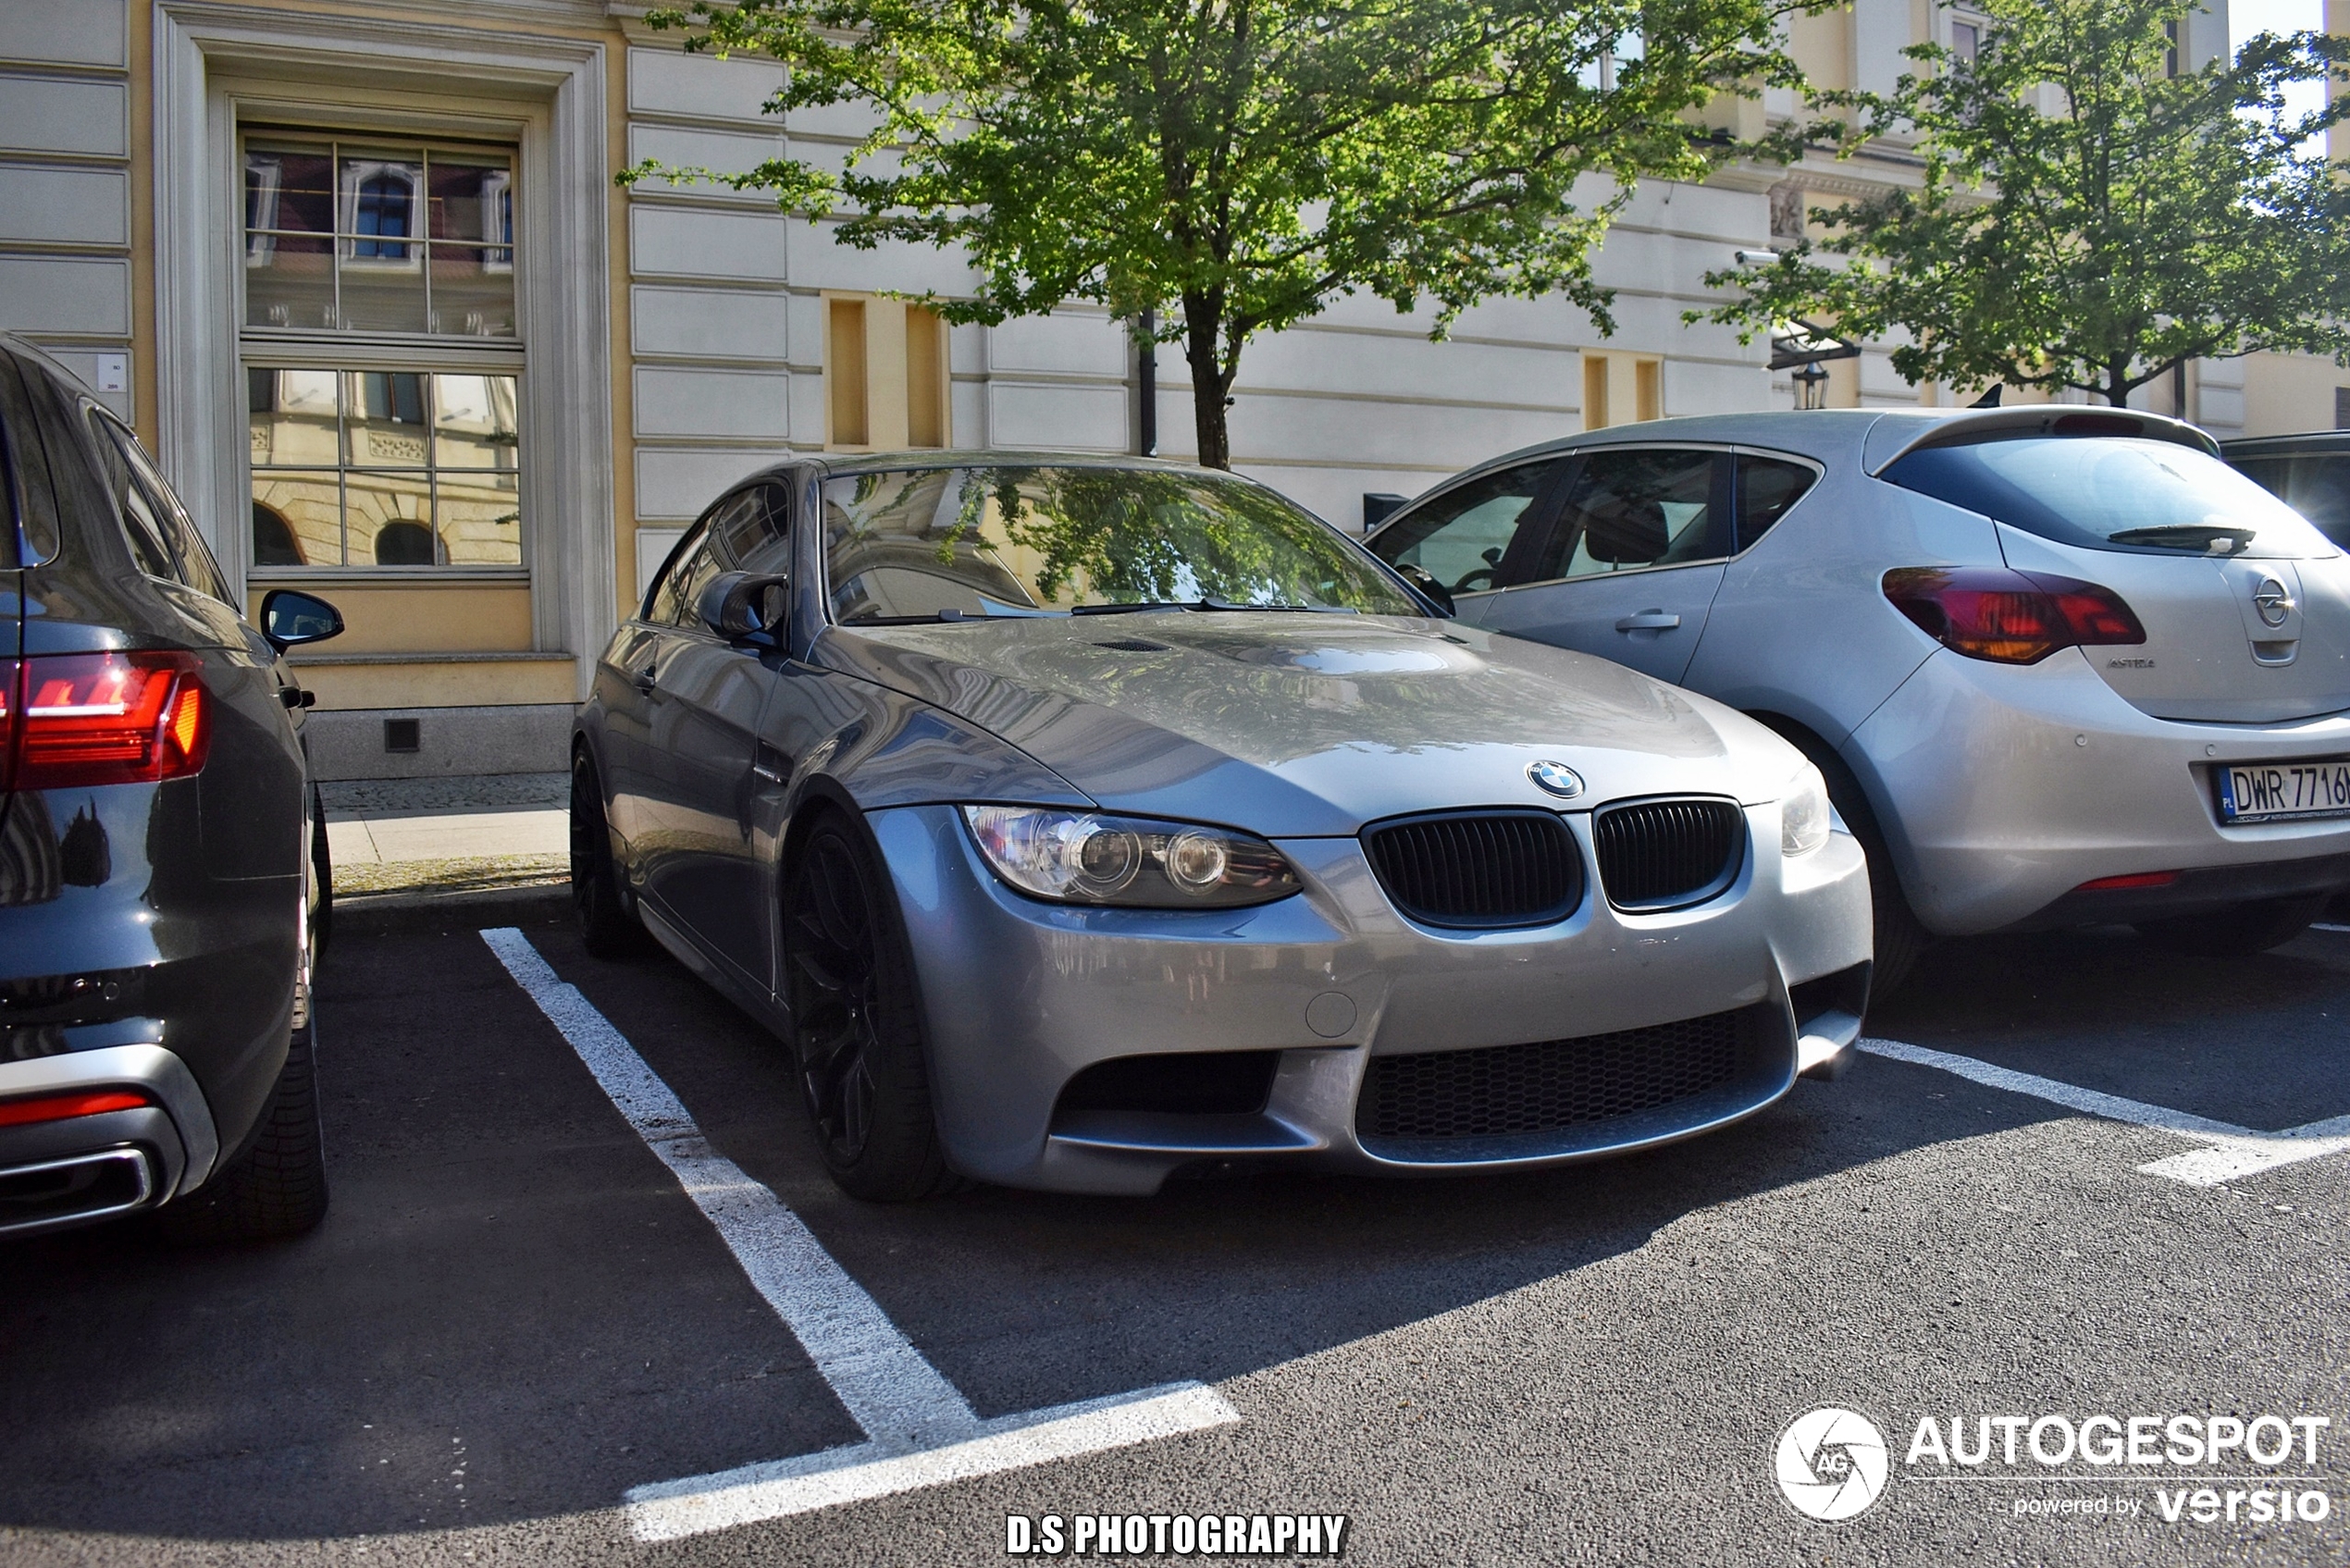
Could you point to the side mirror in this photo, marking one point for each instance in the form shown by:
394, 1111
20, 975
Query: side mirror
745, 606
1425, 580
290, 618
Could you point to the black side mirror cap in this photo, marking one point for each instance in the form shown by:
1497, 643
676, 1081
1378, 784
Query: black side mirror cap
290, 618
739, 606
1423, 579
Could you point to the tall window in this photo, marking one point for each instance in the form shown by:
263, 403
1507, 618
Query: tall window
382, 356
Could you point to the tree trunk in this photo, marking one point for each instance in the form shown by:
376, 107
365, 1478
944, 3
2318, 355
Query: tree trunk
1210, 384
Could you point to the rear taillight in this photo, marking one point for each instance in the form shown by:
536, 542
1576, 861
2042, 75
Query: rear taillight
76, 719
2009, 617
62, 1107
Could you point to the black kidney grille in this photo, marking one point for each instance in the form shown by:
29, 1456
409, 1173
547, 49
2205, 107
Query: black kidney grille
1669, 853
1480, 869
1548, 1085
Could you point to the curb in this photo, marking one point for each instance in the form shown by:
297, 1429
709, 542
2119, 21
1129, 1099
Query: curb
380, 914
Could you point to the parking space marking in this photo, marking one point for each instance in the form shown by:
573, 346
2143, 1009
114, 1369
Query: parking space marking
920, 1430
2229, 1151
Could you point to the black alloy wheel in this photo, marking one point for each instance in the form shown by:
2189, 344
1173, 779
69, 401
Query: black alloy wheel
607, 929
857, 1042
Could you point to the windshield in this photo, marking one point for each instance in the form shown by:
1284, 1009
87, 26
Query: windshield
2112, 493
953, 543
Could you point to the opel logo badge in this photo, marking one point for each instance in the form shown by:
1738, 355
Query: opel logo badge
2270, 598
1556, 777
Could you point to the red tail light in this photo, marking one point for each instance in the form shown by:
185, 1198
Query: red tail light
2009, 617
74, 719
58, 1107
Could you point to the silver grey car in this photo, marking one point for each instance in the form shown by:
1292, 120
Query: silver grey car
2059, 665
1080, 821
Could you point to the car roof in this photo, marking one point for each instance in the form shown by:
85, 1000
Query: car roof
831, 466
2304, 441
1873, 438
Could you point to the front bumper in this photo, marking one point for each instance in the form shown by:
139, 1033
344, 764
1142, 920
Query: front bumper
82, 1168
2009, 786
1019, 996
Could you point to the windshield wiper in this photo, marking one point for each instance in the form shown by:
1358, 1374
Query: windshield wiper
1203, 603
1296, 608
2198, 536
1137, 607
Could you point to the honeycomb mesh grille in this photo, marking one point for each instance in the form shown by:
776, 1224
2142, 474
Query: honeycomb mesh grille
1478, 870
1667, 854
1547, 1085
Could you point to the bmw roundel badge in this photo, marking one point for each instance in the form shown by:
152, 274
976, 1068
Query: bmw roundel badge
1556, 777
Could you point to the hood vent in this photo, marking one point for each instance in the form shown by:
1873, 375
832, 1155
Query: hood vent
1659, 855
1478, 871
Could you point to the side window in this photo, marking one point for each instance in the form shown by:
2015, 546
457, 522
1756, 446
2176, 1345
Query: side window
143, 524
1767, 487
763, 543
661, 604
1462, 537
1647, 506
196, 565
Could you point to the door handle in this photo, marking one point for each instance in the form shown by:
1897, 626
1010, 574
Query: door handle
643, 680
1650, 621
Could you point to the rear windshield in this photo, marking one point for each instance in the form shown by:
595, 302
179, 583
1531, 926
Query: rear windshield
964, 543
2112, 493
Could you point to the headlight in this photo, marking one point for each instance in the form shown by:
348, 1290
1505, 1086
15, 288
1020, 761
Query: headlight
1803, 812
1082, 858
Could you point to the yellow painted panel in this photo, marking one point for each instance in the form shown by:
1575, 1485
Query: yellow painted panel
495, 683
2284, 394
422, 617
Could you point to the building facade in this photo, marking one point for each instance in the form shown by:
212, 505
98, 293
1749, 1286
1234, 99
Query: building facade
361, 277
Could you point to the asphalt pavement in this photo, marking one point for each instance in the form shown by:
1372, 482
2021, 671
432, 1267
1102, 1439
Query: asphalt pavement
515, 1314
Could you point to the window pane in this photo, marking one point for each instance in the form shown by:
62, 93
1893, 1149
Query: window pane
288, 188
297, 519
1766, 488
473, 291
382, 205
294, 417
1649, 507
1460, 539
384, 418
390, 517
289, 281
472, 199
144, 525
474, 422
384, 294
480, 519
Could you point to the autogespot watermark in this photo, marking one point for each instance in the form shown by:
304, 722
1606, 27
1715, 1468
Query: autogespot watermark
1833, 1464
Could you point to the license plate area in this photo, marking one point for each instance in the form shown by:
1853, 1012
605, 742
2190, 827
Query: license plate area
2282, 791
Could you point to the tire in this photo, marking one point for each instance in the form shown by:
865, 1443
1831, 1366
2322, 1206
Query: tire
607, 928
276, 1187
856, 1036
2240, 928
322, 871
1898, 939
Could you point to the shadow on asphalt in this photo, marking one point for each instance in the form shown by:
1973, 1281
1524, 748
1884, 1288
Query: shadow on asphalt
513, 1313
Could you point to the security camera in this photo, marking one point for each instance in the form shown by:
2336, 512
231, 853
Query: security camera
1756, 258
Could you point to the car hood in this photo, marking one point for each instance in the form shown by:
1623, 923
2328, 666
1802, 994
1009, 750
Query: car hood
1304, 725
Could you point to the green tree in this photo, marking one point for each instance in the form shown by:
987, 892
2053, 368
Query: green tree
2087, 218
1245, 162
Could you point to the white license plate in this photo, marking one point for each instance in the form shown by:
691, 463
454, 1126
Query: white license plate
2264, 792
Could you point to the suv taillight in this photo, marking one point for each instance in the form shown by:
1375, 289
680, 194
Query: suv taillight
2009, 617
69, 719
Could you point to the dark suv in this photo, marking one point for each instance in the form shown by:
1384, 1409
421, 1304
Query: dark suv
162, 859
2309, 473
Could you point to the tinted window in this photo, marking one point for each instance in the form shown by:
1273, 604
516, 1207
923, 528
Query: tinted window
661, 604
1648, 506
1022, 540
143, 515
1462, 536
196, 565
2317, 486
766, 548
1766, 488
2111, 493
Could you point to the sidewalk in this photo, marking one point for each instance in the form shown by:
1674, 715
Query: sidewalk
477, 835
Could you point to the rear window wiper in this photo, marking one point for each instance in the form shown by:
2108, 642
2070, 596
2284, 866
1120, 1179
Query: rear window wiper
2197, 537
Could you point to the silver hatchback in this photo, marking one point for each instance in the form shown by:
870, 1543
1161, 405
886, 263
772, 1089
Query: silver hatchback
2061, 665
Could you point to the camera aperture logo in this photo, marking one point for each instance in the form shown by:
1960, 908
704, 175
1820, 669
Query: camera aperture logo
1831, 1463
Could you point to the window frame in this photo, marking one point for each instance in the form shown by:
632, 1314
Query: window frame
1534, 525
1720, 497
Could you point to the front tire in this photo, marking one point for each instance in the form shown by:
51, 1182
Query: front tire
606, 927
2239, 930
856, 1037
1899, 938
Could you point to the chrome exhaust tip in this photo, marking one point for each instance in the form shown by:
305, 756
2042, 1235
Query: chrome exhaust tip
52, 1194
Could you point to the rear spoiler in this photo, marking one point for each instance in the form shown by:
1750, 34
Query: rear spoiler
1893, 437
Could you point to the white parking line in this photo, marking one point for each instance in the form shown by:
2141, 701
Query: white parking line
2229, 1151
921, 1431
